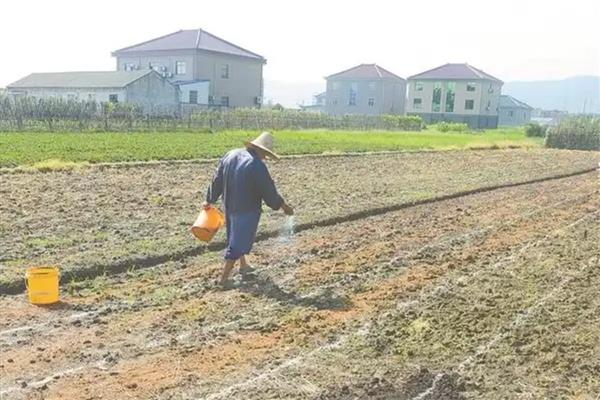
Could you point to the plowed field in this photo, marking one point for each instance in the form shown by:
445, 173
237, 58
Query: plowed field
488, 295
100, 220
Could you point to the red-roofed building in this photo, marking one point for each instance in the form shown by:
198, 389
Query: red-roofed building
455, 93
366, 89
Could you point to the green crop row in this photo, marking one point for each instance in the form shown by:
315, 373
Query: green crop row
31, 148
578, 133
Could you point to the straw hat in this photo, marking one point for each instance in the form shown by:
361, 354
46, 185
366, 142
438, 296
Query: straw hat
264, 142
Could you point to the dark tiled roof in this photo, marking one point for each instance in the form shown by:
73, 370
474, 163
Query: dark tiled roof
365, 71
455, 71
84, 79
191, 39
510, 102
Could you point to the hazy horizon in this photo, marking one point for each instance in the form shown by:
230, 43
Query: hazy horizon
514, 40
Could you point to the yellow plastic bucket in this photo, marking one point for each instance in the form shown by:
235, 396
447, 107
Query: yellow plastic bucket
42, 284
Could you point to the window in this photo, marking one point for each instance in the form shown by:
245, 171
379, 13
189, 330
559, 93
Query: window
335, 86
469, 104
91, 96
113, 98
487, 108
225, 71
470, 86
418, 86
437, 97
71, 96
511, 113
450, 90
372, 86
333, 101
156, 66
129, 67
353, 91
179, 67
417, 104
225, 101
491, 89
193, 96
371, 101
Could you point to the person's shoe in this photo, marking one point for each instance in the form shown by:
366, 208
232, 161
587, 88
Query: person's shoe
227, 285
248, 273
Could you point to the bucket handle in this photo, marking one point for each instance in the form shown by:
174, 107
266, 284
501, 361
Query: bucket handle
58, 275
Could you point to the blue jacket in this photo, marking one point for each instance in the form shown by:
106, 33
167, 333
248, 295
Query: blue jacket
243, 180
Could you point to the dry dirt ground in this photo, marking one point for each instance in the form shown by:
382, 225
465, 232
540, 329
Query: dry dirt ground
98, 218
487, 296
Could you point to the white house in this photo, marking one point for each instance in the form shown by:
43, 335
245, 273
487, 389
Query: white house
455, 93
146, 88
513, 112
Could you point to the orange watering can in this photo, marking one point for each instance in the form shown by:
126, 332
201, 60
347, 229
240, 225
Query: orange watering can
208, 223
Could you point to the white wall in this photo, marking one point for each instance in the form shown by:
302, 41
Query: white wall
480, 97
388, 95
99, 95
203, 89
166, 60
244, 85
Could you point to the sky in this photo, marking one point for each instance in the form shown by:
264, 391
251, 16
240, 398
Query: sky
306, 40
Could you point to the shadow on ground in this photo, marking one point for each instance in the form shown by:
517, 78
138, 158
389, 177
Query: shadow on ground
266, 287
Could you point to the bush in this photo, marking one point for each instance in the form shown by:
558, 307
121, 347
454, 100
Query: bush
579, 133
450, 127
56, 114
535, 130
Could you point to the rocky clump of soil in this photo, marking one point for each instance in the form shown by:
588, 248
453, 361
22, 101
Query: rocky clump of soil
421, 384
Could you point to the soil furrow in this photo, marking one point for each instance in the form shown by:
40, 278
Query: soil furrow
18, 286
316, 263
99, 217
271, 329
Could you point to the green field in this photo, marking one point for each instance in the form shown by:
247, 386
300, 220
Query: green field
27, 148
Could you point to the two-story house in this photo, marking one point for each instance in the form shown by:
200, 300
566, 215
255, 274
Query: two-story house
366, 89
206, 68
455, 93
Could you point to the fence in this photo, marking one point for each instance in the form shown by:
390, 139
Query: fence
578, 133
28, 114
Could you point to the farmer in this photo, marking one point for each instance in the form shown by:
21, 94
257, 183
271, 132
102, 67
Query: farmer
244, 181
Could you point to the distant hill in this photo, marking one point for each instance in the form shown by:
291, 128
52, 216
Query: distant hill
567, 94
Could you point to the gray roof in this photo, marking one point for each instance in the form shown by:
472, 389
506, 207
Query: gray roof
87, 79
189, 81
191, 39
455, 71
365, 71
510, 102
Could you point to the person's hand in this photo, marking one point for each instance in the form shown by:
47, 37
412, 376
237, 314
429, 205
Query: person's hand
206, 205
287, 209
